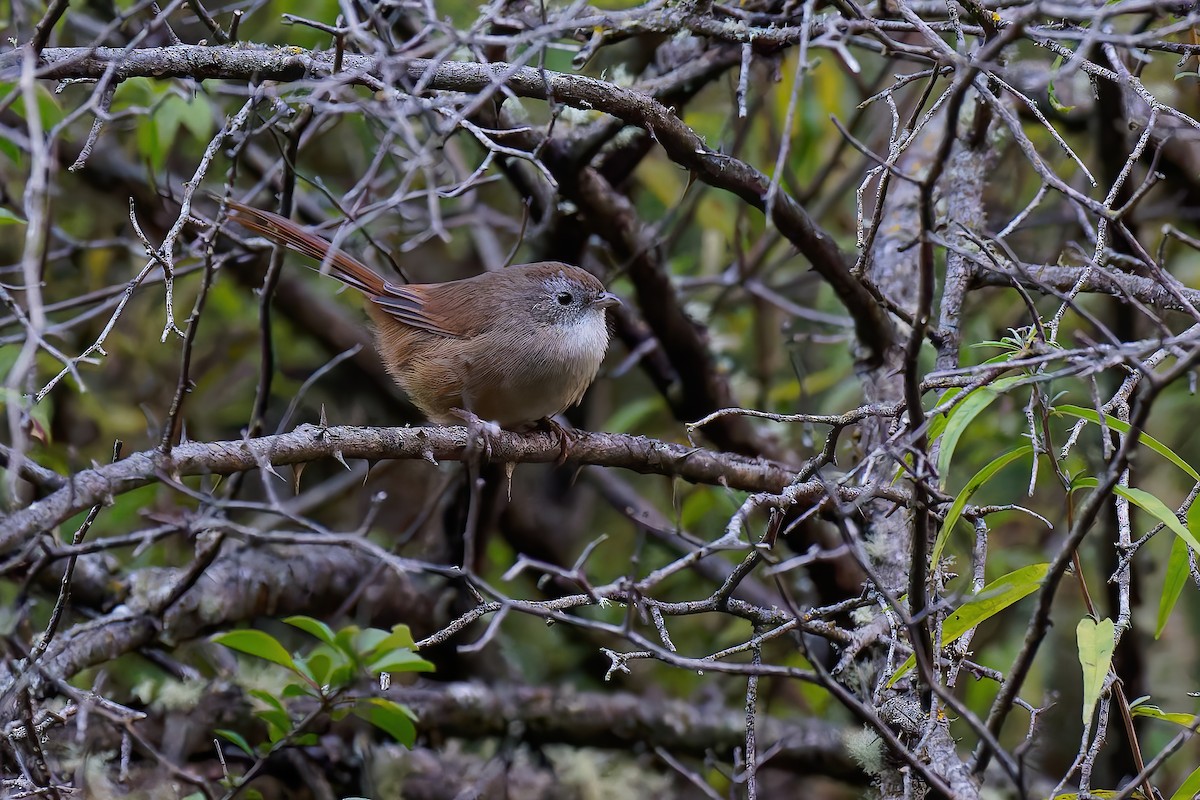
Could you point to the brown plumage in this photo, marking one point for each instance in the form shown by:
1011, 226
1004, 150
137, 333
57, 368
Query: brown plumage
513, 346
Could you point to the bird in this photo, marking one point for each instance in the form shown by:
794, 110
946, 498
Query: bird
511, 347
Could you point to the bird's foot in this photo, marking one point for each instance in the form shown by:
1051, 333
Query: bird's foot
480, 433
564, 438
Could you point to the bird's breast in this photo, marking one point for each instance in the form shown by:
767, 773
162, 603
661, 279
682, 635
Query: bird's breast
540, 373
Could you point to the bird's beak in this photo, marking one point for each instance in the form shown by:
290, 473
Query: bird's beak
607, 300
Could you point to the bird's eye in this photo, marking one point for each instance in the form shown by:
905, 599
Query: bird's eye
564, 298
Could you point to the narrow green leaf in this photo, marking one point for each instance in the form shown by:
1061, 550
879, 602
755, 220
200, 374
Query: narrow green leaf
991, 600
937, 424
1051, 95
1189, 788
994, 598
1178, 569
1154, 712
1096, 641
964, 414
1123, 428
973, 485
257, 643
313, 627
1159, 510
1177, 565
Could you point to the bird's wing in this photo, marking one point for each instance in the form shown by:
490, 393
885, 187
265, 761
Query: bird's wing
414, 306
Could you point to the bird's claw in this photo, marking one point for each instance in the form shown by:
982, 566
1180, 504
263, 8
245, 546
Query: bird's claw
564, 439
480, 432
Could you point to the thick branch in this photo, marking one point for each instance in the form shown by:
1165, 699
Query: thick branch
621, 720
241, 584
1041, 277
680, 142
312, 442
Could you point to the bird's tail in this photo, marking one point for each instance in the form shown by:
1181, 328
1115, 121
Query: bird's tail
283, 231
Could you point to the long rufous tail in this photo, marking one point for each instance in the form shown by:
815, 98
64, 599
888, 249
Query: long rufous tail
283, 231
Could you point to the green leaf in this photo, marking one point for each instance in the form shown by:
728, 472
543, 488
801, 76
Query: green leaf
1123, 428
341, 675
345, 638
303, 670
368, 640
313, 627
279, 722
389, 716
1154, 712
10, 150
267, 699
9, 218
400, 660
964, 414
400, 636
237, 739
48, 108
973, 485
147, 142
1189, 788
1178, 570
991, 600
197, 117
319, 663
632, 416
1159, 510
1096, 641
162, 132
257, 643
